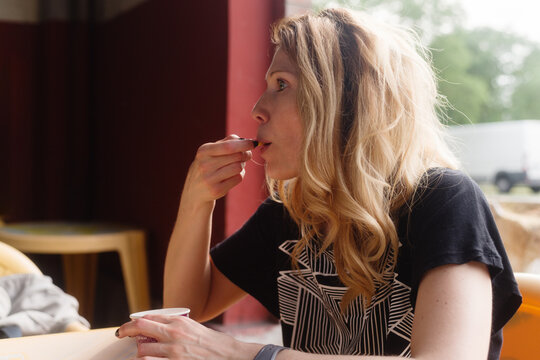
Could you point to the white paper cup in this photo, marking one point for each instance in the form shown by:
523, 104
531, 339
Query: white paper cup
166, 311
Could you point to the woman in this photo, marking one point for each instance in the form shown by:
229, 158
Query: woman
370, 244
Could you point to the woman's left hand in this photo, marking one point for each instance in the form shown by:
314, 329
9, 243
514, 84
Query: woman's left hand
179, 337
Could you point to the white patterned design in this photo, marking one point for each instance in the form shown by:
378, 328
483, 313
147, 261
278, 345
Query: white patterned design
309, 300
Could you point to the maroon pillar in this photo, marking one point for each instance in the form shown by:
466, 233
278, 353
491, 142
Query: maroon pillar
249, 56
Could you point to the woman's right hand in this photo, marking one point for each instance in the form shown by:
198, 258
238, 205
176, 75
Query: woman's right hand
217, 168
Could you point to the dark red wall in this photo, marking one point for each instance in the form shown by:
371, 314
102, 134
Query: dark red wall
100, 120
249, 57
43, 120
161, 80
17, 118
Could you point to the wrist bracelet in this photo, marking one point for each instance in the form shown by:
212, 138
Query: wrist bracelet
268, 352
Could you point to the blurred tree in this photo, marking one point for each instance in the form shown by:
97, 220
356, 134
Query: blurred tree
428, 18
526, 97
478, 69
496, 56
467, 93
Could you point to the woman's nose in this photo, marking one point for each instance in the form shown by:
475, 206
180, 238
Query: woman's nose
258, 113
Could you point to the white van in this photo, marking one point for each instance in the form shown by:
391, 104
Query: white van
504, 153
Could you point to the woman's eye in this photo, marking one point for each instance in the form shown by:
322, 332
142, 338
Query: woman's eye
281, 85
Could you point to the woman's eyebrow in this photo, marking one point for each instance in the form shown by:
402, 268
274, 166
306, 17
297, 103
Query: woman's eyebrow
279, 71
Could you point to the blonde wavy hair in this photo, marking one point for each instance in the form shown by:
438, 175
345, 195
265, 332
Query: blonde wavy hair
368, 101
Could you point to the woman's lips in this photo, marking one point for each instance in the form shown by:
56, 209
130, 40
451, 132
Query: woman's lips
264, 147
262, 144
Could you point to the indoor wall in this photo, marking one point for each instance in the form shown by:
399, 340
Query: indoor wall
103, 105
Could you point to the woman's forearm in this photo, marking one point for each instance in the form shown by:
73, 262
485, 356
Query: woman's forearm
187, 266
217, 168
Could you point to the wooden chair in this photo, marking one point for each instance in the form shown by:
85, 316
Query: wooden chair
12, 261
521, 334
79, 244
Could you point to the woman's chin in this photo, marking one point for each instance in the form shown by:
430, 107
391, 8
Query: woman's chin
279, 174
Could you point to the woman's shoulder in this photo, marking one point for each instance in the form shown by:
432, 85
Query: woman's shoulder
443, 184
445, 178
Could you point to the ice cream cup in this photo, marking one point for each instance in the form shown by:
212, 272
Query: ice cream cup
165, 311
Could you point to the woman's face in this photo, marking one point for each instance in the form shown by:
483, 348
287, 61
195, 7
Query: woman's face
280, 128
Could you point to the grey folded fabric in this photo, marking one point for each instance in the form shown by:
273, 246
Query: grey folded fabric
35, 305
10, 331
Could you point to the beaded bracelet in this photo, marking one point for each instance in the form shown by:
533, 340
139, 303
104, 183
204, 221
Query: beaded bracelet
268, 352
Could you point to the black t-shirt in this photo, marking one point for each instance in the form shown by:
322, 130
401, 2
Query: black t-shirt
450, 223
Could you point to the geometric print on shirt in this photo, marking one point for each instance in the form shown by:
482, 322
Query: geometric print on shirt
309, 299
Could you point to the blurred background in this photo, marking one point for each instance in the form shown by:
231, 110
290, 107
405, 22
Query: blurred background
103, 104
487, 58
487, 53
